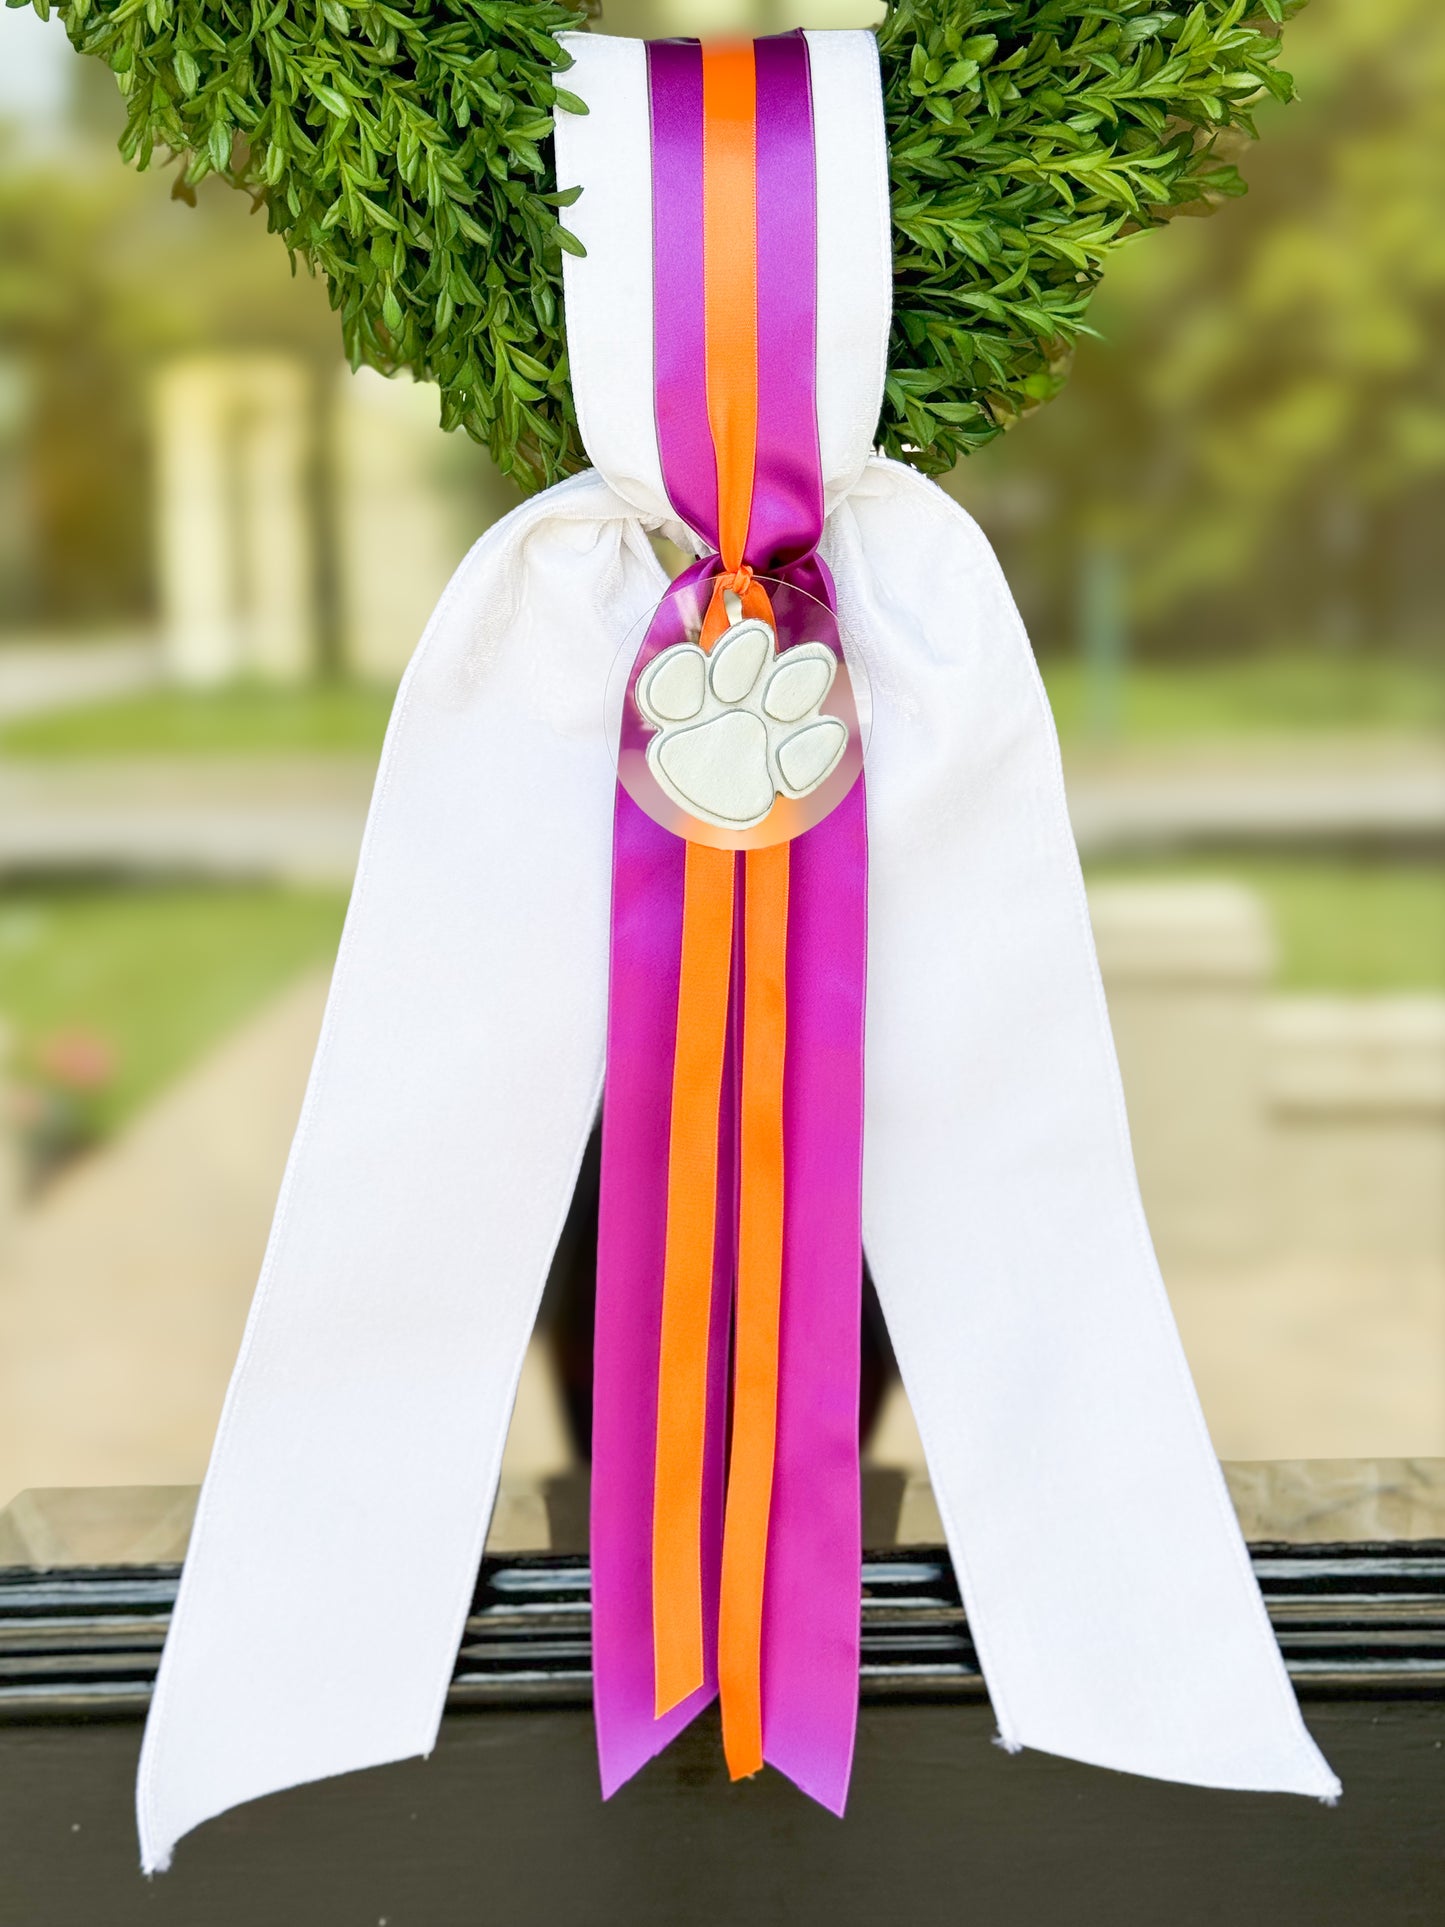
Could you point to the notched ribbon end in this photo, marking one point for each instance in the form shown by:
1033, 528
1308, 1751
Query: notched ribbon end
672, 1691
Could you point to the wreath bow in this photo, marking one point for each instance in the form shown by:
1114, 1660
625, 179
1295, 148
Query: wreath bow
462, 1058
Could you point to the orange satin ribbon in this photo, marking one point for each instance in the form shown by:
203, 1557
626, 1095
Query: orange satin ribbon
697, 1070
759, 1302
730, 293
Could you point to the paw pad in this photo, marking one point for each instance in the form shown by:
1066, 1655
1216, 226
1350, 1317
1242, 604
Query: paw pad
740, 727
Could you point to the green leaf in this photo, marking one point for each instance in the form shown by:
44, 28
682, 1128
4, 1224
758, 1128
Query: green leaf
332, 100
405, 151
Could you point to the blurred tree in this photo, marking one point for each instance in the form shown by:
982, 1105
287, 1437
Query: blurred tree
100, 278
1259, 435
78, 443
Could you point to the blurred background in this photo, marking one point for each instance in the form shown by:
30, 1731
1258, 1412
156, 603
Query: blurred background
218, 548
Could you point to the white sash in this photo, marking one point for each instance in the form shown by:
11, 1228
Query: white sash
339, 1532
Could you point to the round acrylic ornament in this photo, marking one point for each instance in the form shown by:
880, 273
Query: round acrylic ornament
747, 743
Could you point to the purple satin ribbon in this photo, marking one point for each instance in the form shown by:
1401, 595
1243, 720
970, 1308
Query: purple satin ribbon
811, 1614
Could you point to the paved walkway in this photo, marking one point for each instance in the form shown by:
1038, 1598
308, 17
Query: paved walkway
1307, 1358
1295, 1359
1135, 805
124, 1292
36, 677
294, 819
300, 818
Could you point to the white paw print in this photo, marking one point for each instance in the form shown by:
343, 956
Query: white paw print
739, 727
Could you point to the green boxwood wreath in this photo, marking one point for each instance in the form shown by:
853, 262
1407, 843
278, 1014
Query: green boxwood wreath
404, 150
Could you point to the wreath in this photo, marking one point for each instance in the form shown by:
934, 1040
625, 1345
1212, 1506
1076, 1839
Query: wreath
403, 148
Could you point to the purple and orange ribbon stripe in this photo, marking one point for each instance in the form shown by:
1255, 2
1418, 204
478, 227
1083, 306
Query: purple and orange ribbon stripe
732, 1121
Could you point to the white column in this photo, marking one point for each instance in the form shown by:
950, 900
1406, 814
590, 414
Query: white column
194, 518
235, 518
276, 524
410, 501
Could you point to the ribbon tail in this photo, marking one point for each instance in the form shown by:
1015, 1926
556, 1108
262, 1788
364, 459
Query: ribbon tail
1106, 1582
647, 929
455, 1084
812, 1615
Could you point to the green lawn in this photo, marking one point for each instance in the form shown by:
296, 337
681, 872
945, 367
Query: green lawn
157, 974
1274, 694
246, 719
1288, 694
1340, 926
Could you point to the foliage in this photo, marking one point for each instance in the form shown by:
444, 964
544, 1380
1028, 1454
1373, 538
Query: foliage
1027, 142
1260, 436
1295, 375
76, 541
98, 282
401, 150
404, 150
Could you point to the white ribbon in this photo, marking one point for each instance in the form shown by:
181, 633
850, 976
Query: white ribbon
460, 1066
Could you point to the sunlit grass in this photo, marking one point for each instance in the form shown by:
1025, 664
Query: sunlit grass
1268, 694
1283, 694
245, 719
155, 975
1347, 927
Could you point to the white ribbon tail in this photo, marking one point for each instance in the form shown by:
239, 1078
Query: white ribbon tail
1107, 1586
458, 1074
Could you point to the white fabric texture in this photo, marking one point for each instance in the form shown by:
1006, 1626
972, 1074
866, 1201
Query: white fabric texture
1107, 1586
457, 1078
855, 253
607, 151
460, 1064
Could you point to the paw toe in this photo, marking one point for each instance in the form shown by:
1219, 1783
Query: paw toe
737, 660
799, 683
672, 688
809, 758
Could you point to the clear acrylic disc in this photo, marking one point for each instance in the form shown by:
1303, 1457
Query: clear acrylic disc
747, 744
